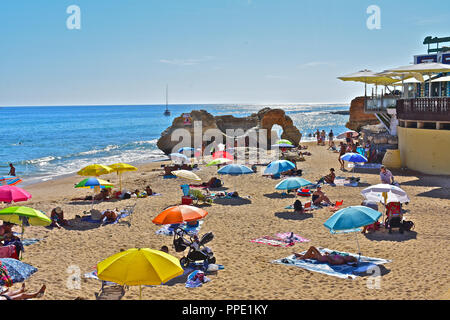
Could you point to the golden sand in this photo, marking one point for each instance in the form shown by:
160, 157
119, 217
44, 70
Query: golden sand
419, 269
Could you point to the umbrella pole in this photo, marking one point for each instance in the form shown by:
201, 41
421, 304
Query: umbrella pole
140, 292
359, 250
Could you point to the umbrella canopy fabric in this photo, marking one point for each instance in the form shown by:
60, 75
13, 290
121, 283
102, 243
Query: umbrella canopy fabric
353, 157
180, 214
293, 183
344, 134
186, 174
187, 150
284, 141
17, 270
24, 215
218, 161
279, 166
385, 193
282, 145
222, 154
122, 167
95, 170
178, 157
136, 267
11, 193
235, 170
93, 182
351, 218
368, 77
10, 180
423, 68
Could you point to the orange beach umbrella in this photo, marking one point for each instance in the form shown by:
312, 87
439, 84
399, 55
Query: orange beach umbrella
180, 214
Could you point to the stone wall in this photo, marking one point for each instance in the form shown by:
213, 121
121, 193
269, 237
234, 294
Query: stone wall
358, 118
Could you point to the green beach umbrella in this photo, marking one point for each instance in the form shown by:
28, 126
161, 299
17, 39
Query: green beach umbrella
93, 182
284, 141
219, 161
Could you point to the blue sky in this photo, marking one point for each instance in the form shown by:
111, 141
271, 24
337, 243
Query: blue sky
208, 51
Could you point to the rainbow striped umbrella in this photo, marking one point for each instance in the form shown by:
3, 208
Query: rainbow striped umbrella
10, 180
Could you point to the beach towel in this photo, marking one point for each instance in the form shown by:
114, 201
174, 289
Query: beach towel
90, 220
271, 241
169, 176
295, 237
368, 165
27, 242
345, 182
93, 275
167, 230
191, 283
345, 271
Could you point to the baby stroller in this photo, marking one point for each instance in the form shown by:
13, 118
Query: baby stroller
197, 249
394, 217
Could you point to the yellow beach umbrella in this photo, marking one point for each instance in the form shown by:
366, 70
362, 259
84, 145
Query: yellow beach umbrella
188, 175
95, 170
120, 168
137, 267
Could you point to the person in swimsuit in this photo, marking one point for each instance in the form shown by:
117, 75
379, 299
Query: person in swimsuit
342, 151
334, 258
57, 216
12, 170
318, 196
110, 216
20, 294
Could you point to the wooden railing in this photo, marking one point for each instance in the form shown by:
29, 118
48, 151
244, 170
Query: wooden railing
424, 109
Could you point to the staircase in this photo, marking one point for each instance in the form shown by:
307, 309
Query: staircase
385, 120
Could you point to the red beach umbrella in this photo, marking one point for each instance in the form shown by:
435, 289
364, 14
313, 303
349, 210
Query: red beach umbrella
180, 214
222, 154
11, 193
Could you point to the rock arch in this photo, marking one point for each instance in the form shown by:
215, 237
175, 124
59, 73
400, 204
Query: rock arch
277, 116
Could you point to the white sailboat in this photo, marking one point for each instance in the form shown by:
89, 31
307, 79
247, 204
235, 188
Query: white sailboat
167, 111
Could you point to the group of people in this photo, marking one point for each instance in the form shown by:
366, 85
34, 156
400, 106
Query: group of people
321, 137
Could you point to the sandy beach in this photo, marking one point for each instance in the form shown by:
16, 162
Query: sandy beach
418, 269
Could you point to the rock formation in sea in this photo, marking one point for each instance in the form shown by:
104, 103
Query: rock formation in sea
358, 118
263, 119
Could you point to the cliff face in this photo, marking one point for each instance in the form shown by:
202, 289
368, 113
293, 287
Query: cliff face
358, 118
264, 119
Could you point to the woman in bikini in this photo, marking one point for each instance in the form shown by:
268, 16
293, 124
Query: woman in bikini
333, 258
20, 294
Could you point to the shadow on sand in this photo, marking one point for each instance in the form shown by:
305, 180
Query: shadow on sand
232, 201
290, 215
278, 195
396, 236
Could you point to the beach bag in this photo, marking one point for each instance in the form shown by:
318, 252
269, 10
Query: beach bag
304, 192
408, 225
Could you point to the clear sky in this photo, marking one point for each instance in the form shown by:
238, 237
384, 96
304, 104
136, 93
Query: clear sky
207, 51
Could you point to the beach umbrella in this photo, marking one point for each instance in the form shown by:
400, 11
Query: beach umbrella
120, 168
10, 180
17, 270
279, 166
138, 267
95, 184
180, 214
95, 170
282, 145
344, 134
235, 170
284, 141
351, 219
13, 194
218, 161
368, 77
186, 174
293, 183
385, 193
353, 157
222, 154
188, 151
178, 157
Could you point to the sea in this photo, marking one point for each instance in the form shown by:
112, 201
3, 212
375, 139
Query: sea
46, 143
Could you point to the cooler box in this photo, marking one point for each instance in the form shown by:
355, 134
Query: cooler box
186, 200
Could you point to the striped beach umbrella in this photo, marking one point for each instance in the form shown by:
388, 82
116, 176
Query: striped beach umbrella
10, 180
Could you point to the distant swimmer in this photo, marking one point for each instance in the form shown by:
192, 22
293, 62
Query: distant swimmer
12, 170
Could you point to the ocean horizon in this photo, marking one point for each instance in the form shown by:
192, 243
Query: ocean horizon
49, 142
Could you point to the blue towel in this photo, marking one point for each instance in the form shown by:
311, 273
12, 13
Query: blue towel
171, 176
344, 271
89, 219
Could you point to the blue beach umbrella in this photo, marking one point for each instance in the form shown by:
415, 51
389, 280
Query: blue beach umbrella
282, 145
235, 170
186, 150
351, 219
353, 157
279, 166
293, 183
17, 270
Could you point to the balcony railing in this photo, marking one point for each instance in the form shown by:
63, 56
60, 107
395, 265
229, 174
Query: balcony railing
379, 104
424, 109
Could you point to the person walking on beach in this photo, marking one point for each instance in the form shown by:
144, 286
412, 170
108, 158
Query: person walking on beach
323, 136
330, 138
342, 151
317, 134
386, 176
12, 170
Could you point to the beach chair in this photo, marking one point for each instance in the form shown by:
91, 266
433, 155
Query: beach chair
307, 206
394, 217
110, 292
336, 206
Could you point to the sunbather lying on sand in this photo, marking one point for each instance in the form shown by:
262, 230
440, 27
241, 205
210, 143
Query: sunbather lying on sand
110, 215
20, 294
334, 258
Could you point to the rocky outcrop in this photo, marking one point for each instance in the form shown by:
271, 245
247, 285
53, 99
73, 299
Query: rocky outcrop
358, 118
264, 119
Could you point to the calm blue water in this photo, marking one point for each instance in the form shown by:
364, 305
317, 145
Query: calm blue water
46, 142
